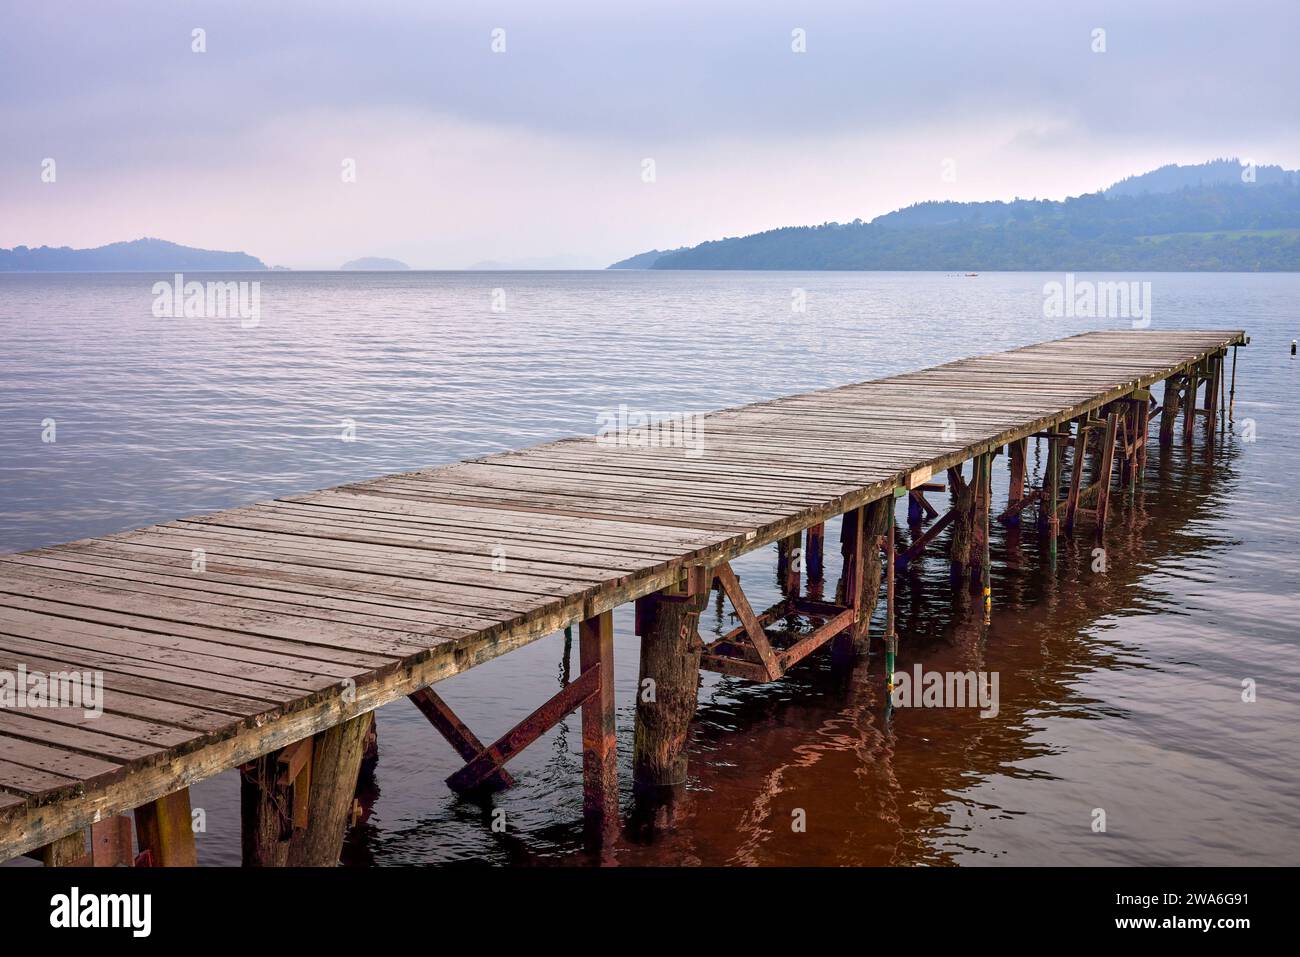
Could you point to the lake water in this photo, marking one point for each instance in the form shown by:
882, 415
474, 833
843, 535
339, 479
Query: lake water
1120, 691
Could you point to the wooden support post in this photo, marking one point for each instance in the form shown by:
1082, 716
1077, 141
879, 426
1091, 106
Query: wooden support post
165, 829
853, 550
862, 592
67, 851
1212, 399
915, 510
814, 552
110, 842
1189, 405
1143, 436
787, 565
1078, 458
1016, 458
1047, 502
266, 813
335, 762
599, 745
891, 636
1223, 389
369, 752
963, 508
667, 689
986, 532
1107, 465
1051, 499
850, 538
1125, 431
877, 523
981, 479
1169, 405
1232, 390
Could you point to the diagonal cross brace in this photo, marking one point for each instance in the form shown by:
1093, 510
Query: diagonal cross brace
489, 760
745, 612
458, 735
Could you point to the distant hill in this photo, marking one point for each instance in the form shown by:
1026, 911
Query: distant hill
646, 260
139, 255
1193, 218
1219, 172
375, 264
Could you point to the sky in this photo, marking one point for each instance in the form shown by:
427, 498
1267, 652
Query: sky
540, 152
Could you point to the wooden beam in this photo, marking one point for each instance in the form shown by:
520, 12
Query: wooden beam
457, 733
293, 760
745, 612
928, 536
1107, 463
819, 636
165, 829
110, 842
67, 851
490, 759
1078, 461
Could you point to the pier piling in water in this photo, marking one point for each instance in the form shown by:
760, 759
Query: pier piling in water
668, 685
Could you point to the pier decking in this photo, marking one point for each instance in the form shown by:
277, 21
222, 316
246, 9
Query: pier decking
228, 637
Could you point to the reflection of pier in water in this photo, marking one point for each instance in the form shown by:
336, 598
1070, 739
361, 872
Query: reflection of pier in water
826, 745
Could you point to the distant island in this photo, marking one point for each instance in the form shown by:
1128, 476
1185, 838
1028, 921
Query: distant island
375, 264
1216, 216
139, 255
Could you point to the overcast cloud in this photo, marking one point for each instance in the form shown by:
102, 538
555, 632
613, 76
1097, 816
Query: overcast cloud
463, 154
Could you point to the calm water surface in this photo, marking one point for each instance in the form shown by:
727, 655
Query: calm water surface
1119, 691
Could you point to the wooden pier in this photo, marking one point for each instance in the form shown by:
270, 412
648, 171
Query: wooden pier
262, 638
